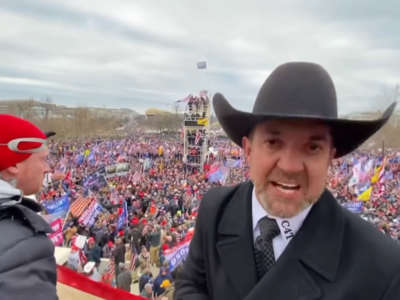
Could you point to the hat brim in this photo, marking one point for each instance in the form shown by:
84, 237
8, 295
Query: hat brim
49, 134
347, 135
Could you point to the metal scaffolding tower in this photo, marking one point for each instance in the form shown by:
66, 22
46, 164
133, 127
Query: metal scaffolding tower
196, 128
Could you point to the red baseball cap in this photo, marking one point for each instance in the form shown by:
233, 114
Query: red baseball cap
19, 138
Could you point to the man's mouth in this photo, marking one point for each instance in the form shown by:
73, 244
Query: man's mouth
285, 185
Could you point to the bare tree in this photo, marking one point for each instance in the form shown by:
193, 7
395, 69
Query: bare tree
47, 106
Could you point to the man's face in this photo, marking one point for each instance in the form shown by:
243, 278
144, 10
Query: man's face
31, 172
289, 163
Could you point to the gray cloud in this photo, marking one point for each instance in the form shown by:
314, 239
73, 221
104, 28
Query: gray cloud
140, 54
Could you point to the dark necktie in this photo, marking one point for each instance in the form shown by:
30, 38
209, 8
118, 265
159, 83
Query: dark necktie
263, 250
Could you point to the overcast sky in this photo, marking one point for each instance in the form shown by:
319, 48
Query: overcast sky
142, 54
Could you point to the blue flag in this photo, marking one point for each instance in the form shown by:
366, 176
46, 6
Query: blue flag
355, 207
123, 218
92, 158
58, 207
79, 159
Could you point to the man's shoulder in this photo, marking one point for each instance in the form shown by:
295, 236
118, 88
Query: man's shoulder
25, 215
13, 230
17, 238
217, 201
218, 196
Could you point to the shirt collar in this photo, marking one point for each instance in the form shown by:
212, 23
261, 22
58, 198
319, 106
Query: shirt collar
287, 226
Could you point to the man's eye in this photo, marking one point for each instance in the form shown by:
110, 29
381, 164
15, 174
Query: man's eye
314, 148
272, 142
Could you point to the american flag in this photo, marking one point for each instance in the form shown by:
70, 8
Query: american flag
62, 165
79, 206
110, 273
136, 177
82, 257
203, 94
186, 99
132, 262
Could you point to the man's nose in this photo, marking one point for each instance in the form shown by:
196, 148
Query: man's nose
291, 161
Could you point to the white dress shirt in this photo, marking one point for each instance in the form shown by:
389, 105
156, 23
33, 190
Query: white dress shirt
288, 226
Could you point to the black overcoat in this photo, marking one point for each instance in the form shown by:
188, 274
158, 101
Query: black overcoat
335, 255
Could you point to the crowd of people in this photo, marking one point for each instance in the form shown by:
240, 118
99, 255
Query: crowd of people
372, 181
152, 205
161, 202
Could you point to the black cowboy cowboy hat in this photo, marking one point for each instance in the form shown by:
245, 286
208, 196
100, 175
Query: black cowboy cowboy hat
298, 90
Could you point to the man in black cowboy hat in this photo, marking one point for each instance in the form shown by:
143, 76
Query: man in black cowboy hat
282, 235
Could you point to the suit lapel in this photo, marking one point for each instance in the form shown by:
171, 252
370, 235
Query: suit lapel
235, 241
314, 251
322, 232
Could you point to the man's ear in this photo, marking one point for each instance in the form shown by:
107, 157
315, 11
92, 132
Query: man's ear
246, 145
332, 155
11, 171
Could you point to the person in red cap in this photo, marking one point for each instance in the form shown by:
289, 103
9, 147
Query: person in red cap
93, 251
27, 264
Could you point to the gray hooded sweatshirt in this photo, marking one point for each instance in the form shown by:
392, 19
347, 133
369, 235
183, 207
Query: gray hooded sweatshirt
27, 264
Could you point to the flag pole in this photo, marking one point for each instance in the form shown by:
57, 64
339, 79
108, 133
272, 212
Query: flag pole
66, 217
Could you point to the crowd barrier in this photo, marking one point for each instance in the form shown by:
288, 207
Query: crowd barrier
82, 286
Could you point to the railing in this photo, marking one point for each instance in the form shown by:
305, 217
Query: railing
84, 284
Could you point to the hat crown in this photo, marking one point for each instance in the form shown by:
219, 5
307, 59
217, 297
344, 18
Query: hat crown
13, 128
298, 89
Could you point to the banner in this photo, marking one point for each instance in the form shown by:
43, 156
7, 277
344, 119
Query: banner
147, 164
94, 181
89, 215
177, 255
86, 213
120, 169
97, 209
57, 208
80, 241
57, 236
355, 207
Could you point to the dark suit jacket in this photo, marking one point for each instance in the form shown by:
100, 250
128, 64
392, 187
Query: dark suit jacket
335, 255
